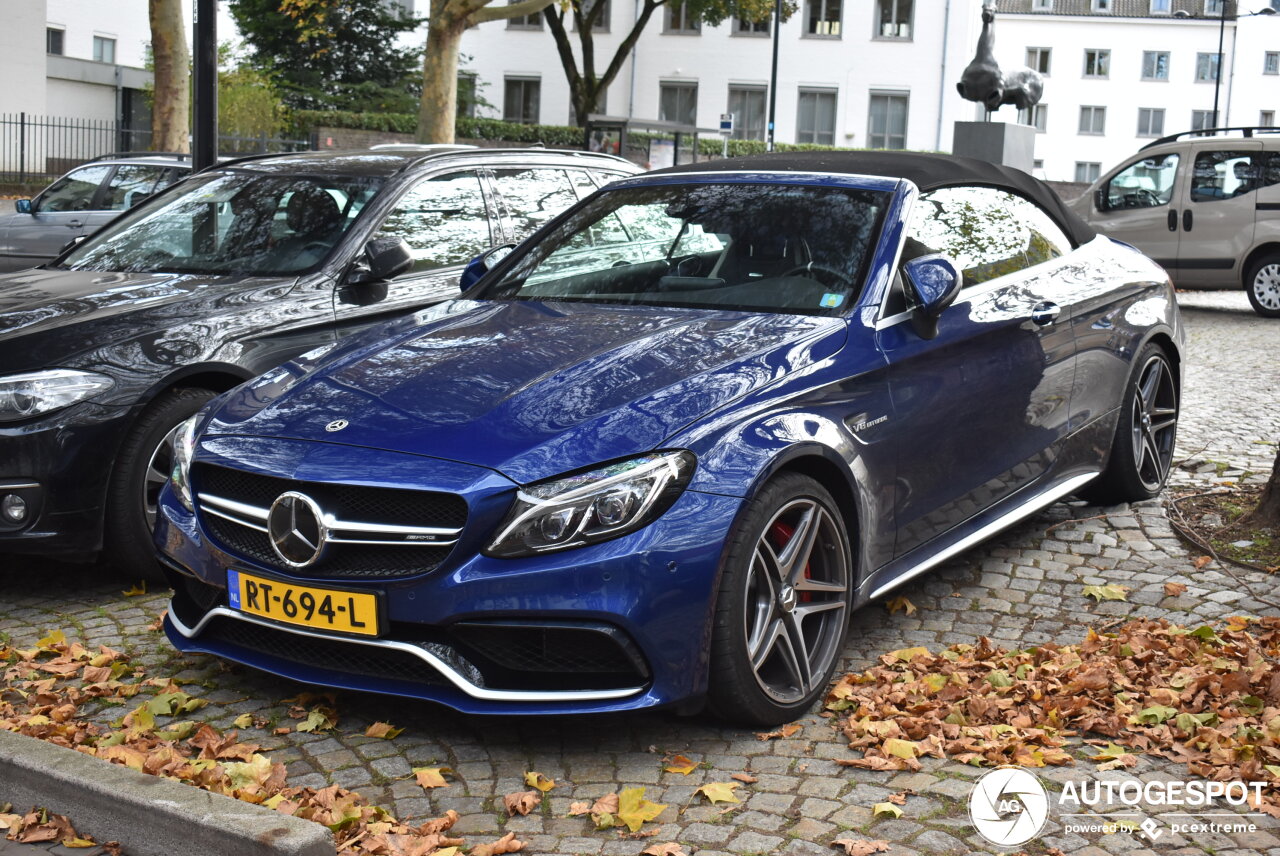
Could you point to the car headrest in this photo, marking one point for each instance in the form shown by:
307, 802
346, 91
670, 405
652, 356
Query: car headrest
311, 210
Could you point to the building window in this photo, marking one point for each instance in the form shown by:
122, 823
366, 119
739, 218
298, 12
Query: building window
53, 40
1214, 7
1036, 116
1267, 119
678, 102
1042, 5
747, 104
1038, 163
601, 106
1150, 122
816, 122
887, 123
894, 21
1093, 120
680, 21
1270, 62
1038, 60
1155, 65
1097, 63
743, 27
1102, 5
602, 22
520, 100
1206, 67
1201, 119
824, 18
104, 50
524, 22
1161, 7
1087, 173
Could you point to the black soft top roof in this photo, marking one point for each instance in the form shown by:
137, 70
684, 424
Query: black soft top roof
926, 171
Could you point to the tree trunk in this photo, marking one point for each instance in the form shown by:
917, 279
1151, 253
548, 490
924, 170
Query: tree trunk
171, 107
1268, 511
439, 106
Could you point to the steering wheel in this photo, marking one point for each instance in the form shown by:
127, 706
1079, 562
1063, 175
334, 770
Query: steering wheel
1142, 198
685, 265
812, 268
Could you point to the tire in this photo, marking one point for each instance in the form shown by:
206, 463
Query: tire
772, 600
1262, 284
1142, 451
141, 468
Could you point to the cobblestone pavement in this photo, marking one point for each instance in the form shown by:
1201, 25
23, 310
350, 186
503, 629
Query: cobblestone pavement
1020, 589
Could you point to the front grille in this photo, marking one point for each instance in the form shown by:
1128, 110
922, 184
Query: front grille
329, 654
583, 655
392, 506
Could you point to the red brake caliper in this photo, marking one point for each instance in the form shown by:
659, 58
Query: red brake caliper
780, 533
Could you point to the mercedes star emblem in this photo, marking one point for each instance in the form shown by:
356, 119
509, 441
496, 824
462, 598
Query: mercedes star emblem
296, 528
337, 425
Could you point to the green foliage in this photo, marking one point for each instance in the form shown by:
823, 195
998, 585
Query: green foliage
332, 54
249, 105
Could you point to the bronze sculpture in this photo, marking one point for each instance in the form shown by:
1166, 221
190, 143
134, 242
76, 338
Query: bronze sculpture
985, 83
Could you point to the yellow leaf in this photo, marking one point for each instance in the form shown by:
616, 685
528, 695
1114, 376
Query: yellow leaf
718, 792
539, 781
682, 765
244, 720
78, 843
55, 638
885, 808
634, 810
316, 721
900, 748
900, 604
906, 655
1108, 592
384, 730
431, 777
139, 589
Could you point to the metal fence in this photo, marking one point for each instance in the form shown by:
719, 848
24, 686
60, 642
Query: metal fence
35, 149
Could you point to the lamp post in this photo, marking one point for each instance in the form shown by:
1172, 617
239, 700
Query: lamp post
1222, 28
773, 74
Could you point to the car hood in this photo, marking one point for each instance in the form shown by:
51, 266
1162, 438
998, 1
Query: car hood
532, 389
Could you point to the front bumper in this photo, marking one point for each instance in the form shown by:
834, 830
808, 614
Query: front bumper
59, 465
641, 603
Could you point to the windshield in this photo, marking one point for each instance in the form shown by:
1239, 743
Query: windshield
231, 223
752, 247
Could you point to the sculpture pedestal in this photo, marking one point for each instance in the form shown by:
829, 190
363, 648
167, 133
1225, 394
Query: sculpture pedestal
996, 142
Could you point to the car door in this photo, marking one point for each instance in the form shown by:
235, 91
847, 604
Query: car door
1219, 206
58, 215
530, 197
981, 408
1140, 206
446, 221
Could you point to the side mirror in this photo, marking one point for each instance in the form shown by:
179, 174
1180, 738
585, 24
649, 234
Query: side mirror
22, 206
1101, 201
384, 258
934, 281
482, 264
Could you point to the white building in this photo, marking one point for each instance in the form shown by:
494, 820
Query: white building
882, 73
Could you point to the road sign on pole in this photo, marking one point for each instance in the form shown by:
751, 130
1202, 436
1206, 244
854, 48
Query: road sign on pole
726, 130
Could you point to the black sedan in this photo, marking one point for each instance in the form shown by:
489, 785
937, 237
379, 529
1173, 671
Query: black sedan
223, 276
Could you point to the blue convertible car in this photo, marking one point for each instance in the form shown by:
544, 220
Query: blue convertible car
660, 451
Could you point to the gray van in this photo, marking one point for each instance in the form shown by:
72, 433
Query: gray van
1204, 204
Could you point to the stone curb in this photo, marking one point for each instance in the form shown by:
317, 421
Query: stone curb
148, 815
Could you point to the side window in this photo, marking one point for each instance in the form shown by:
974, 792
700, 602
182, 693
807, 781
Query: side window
1146, 183
987, 232
1269, 172
1222, 175
74, 191
129, 184
582, 183
534, 196
443, 220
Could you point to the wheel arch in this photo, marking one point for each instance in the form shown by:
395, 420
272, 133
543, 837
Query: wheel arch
216, 377
1269, 248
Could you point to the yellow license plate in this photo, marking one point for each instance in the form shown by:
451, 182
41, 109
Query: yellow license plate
305, 606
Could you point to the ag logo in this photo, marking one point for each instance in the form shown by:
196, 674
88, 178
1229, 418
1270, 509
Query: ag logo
1008, 806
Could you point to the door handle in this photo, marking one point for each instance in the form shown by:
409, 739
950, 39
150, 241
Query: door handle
1186, 219
1045, 313
1173, 220
74, 224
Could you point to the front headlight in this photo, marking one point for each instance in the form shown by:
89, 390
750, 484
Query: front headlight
594, 506
34, 393
184, 445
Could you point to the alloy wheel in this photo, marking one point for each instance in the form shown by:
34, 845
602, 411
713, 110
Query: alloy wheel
797, 599
159, 468
1155, 422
